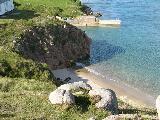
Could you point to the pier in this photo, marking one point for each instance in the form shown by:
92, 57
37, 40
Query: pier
92, 21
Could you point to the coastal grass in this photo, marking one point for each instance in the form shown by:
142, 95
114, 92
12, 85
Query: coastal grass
40, 9
28, 99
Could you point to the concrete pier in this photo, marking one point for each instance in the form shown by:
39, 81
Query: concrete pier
92, 21
109, 22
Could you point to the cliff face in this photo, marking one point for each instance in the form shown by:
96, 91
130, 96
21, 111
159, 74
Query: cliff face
55, 45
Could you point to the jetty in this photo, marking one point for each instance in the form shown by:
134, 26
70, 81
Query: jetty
91, 20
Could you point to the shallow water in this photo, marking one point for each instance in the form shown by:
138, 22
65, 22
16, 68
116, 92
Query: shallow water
129, 54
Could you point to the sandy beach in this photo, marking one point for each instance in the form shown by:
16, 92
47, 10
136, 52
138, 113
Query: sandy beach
127, 94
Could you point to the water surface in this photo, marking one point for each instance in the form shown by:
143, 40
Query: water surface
129, 54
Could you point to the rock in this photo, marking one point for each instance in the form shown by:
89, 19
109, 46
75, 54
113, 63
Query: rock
75, 86
108, 99
112, 117
58, 47
98, 14
158, 106
122, 117
92, 118
60, 96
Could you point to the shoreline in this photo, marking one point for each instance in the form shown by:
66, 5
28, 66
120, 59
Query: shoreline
126, 94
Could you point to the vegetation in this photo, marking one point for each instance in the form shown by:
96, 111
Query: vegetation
28, 99
29, 13
26, 84
14, 66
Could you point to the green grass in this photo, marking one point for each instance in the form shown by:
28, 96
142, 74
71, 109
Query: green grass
28, 99
30, 9
14, 66
68, 8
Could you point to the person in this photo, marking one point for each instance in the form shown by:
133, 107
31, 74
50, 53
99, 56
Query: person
2, 8
6, 6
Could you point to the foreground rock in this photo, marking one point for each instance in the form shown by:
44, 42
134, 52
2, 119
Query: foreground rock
122, 117
60, 96
108, 99
75, 86
158, 106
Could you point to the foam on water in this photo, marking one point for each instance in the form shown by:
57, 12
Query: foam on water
131, 53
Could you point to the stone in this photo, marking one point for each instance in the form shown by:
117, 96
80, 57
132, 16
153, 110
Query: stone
112, 117
75, 86
60, 96
92, 118
158, 106
122, 117
108, 99
73, 44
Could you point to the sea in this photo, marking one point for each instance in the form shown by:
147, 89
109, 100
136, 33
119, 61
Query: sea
130, 53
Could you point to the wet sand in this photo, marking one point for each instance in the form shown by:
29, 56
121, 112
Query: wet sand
125, 93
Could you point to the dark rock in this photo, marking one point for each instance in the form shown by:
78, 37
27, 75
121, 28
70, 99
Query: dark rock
57, 46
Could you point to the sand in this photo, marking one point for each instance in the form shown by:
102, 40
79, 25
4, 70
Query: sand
127, 94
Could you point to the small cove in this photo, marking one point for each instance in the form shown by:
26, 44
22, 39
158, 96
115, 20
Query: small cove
129, 54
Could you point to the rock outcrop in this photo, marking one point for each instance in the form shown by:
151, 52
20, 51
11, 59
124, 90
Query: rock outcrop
108, 99
57, 45
122, 117
158, 106
61, 97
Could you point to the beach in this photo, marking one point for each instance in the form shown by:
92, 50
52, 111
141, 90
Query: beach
127, 94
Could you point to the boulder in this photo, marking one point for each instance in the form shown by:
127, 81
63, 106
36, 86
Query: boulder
158, 106
112, 117
108, 99
60, 96
75, 86
92, 118
122, 117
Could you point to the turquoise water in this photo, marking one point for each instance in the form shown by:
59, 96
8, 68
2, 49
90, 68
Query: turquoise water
130, 53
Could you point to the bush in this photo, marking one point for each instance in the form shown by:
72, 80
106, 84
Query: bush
5, 68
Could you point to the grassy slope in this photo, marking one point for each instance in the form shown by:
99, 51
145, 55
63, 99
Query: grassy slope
22, 98
28, 99
69, 8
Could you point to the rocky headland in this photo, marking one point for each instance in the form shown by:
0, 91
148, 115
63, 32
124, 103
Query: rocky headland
58, 46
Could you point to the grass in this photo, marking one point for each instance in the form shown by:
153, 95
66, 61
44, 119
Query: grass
30, 9
28, 99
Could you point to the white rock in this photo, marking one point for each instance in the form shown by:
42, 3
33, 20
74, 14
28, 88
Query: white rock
122, 117
112, 117
68, 98
158, 106
108, 99
75, 86
61, 97
92, 118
